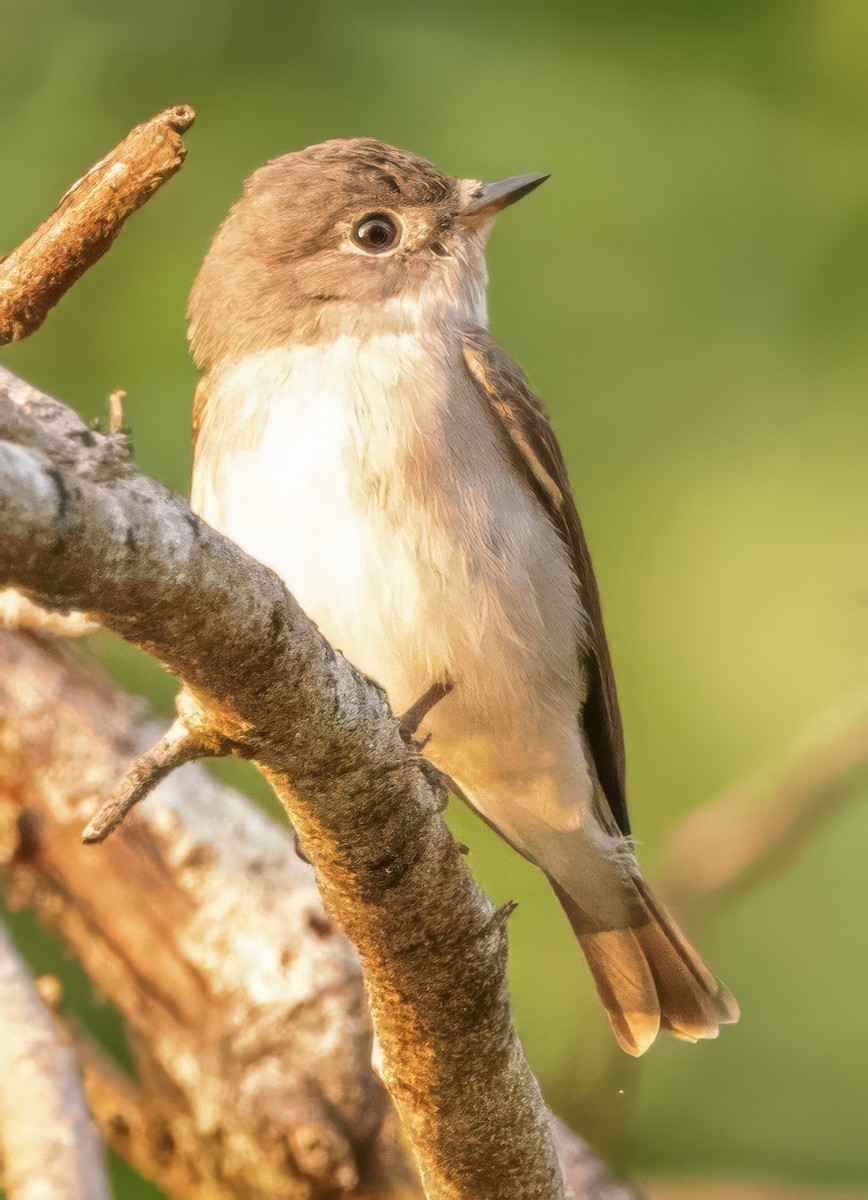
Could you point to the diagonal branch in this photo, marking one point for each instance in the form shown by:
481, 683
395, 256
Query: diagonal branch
87, 220
736, 840
50, 1147
82, 528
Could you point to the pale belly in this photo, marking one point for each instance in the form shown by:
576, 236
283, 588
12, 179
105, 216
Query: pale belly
421, 561
366, 582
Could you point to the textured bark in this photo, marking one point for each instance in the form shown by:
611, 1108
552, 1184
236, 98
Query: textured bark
87, 220
51, 1150
83, 529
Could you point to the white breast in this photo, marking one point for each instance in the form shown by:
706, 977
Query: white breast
367, 475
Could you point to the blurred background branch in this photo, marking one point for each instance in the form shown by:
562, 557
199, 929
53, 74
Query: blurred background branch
740, 839
50, 1148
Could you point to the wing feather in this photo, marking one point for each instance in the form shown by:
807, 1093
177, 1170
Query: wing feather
524, 424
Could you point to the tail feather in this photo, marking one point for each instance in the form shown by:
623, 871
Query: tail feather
649, 977
694, 1003
625, 984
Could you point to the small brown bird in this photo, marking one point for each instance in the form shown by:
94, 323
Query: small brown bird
358, 430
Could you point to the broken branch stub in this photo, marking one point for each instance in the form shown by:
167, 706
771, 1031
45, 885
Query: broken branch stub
87, 220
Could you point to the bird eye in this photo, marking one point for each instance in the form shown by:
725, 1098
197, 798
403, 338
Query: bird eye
375, 233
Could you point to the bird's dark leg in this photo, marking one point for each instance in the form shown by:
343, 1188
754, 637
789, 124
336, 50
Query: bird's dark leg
407, 726
416, 713
410, 722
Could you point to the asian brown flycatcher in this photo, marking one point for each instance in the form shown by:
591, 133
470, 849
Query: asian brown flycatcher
358, 430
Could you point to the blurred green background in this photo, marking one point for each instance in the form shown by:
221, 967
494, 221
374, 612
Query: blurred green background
690, 295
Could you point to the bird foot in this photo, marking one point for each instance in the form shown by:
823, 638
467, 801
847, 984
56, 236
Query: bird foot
416, 713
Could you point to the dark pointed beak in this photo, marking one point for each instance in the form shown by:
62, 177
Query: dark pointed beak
490, 198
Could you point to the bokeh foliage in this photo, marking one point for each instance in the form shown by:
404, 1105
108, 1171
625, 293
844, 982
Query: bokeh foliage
690, 295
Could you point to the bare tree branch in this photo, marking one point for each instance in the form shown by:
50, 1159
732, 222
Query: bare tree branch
140, 1132
51, 1149
738, 839
82, 528
87, 220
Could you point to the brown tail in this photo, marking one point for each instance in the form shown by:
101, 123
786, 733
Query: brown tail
649, 977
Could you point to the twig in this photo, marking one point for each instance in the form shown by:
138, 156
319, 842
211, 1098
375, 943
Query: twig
744, 836
87, 220
178, 746
50, 1146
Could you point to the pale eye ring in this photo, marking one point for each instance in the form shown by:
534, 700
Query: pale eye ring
376, 233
